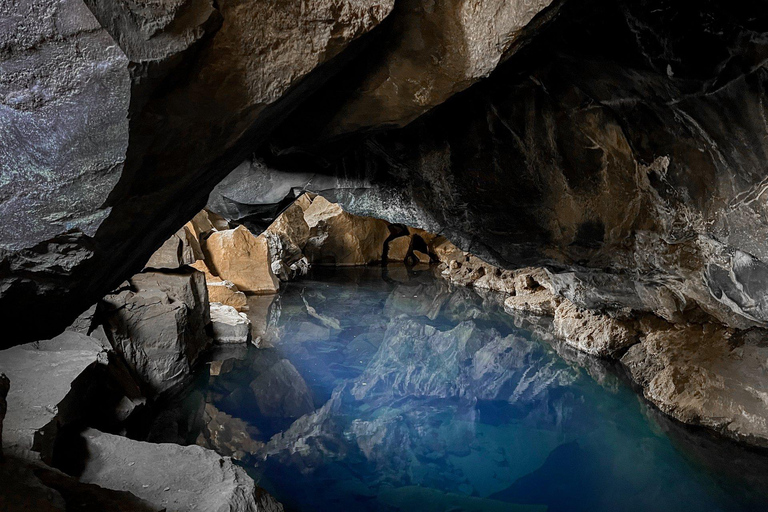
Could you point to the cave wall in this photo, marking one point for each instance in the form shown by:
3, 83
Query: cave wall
624, 147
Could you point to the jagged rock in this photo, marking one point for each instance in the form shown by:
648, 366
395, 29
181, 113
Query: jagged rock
125, 161
293, 231
176, 478
225, 292
397, 250
281, 392
262, 315
57, 383
592, 332
229, 326
237, 256
5, 385
422, 257
158, 326
705, 375
228, 435
341, 239
540, 302
181, 249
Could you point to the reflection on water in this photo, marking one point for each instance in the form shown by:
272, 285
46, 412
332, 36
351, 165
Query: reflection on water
388, 389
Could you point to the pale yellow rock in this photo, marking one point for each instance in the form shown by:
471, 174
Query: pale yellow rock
444, 250
305, 200
342, 239
398, 248
201, 225
236, 255
422, 257
202, 267
225, 292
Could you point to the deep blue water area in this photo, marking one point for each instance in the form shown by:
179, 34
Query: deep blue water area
389, 389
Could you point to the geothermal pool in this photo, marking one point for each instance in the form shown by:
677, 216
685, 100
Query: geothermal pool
389, 389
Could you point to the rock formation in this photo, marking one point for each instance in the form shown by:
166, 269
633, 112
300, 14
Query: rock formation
158, 324
241, 258
5, 385
228, 325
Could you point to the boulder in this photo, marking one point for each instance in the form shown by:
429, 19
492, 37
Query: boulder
593, 332
237, 256
225, 292
173, 477
340, 238
158, 325
397, 249
229, 326
57, 383
292, 230
705, 375
227, 435
5, 385
281, 392
422, 257
181, 249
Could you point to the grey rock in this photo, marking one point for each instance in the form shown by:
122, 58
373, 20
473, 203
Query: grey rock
281, 392
592, 332
181, 249
176, 478
5, 385
158, 326
229, 326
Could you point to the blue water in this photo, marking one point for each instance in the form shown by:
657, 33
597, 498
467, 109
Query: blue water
391, 390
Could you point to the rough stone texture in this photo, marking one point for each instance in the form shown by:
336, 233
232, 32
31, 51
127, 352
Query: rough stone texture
706, 375
225, 292
237, 256
281, 392
119, 118
229, 326
397, 249
157, 324
594, 333
177, 478
183, 248
227, 435
340, 238
466, 41
5, 385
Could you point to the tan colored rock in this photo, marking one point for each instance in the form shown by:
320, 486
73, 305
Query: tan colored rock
201, 225
422, 257
593, 332
398, 248
225, 292
441, 48
541, 302
444, 250
342, 239
200, 266
236, 255
181, 249
706, 375
293, 231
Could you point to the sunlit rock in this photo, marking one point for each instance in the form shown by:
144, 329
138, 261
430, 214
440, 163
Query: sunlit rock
593, 332
398, 248
225, 292
237, 256
177, 478
229, 325
158, 325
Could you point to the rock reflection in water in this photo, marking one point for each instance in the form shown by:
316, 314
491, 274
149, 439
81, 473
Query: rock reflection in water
388, 389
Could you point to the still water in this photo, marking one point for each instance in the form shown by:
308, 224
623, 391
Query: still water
392, 390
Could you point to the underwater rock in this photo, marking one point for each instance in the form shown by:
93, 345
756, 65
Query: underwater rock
176, 478
281, 392
229, 326
340, 238
592, 332
237, 256
705, 375
158, 325
228, 435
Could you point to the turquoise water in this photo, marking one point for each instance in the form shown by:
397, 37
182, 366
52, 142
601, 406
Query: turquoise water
391, 390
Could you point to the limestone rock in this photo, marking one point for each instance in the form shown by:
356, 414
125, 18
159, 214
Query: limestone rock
5, 385
158, 326
229, 326
342, 239
237, 256
593, 332
398, 249
176, 478
706, 375
225, 292
181, 249
281, 392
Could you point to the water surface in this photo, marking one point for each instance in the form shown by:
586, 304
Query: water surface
391, 390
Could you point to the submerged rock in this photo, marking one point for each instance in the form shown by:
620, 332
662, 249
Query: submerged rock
237, 256
228, 435
176, 478
158, 325
281, 392
229, 326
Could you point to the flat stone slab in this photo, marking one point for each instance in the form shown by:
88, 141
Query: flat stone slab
174, 477
41, 376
